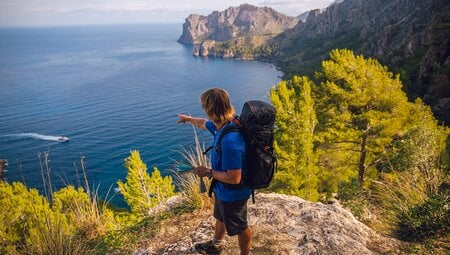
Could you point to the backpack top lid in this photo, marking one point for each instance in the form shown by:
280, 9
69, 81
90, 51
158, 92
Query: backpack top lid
257, 113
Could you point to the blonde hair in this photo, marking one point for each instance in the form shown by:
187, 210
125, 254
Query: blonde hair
217, 106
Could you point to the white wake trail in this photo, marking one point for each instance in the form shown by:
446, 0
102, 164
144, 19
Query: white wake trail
37, 136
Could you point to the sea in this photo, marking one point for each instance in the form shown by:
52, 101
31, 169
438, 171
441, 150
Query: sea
109, 89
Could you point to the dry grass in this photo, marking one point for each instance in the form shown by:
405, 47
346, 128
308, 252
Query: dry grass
395, 193
52, 236
189, 183
93, 218
79, 217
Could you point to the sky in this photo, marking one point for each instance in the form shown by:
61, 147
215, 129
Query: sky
84, 12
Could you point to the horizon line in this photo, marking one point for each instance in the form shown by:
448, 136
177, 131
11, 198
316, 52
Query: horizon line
2, 26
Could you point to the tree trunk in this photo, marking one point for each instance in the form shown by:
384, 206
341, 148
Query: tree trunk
362, 158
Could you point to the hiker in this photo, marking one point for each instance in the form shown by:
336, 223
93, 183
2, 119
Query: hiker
230, 197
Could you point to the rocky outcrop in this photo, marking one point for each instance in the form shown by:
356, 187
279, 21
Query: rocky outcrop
238, 29
234, 22
410, 37
303, 16
281, 224
3, 166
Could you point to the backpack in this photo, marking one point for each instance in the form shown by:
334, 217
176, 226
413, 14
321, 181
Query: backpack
256, 126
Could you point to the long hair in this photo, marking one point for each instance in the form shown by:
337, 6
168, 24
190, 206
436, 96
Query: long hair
217, 106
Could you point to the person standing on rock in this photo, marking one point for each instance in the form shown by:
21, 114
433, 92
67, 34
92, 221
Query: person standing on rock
230, 197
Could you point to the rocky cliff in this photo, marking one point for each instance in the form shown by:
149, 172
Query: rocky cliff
410, 37
281, 224
234, 31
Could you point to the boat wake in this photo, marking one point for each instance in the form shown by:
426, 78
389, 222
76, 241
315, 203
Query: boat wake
40, 137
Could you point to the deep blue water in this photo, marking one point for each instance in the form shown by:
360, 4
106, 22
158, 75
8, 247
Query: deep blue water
110, 89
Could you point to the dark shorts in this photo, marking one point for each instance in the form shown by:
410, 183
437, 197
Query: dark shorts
233, 214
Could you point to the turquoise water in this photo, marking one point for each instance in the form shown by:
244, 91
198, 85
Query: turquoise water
109, 89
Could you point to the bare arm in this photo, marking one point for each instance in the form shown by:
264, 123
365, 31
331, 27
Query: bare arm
229, 176
196, 122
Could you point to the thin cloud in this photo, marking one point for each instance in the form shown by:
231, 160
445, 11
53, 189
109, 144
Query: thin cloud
23, 12
101, 6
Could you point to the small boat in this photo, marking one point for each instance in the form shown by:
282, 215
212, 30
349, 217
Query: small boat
63, 139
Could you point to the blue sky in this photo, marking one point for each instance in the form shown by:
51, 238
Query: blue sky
79, 12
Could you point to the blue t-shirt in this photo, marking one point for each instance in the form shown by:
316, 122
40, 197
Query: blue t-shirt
232, 156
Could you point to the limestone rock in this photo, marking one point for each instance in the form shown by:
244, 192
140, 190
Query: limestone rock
281, 224
233, 22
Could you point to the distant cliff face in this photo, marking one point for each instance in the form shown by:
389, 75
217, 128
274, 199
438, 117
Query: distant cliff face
236, 29
410, 37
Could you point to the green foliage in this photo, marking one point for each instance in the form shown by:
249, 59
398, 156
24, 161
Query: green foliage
415, 167
354, 198
142, 191
421, 149
90, 217
388, 156
28, 225
431, 218
349, 190
294, 138
67, 199
16, 202
360, 108
76, 221
345, 131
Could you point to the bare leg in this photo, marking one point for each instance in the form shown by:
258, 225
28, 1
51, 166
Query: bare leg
219, 231
245, 241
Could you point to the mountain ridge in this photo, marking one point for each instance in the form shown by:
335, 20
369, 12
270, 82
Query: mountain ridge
410, 37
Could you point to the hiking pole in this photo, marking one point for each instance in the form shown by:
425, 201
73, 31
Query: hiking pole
186, 168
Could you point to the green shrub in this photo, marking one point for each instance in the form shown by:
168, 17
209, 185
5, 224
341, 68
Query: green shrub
354, 198
29, 225
85, 211
142, 191
432, 218
349, 190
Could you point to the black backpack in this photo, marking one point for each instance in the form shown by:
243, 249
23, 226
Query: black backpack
256, 124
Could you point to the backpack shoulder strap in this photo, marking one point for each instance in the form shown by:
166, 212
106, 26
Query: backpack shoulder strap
218, 148
225, 131
228, 129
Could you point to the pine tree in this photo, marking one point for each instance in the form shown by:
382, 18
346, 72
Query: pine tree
360, 108
294, 136
142, 191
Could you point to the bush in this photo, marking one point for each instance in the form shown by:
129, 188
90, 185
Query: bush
29, 225
142, 191
432, 218
349, 190
355, 199
90, 216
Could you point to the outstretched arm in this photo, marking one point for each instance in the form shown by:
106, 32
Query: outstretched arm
196, 122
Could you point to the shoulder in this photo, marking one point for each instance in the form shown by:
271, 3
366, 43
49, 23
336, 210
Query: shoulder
233, 140
232, 133
210, 126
